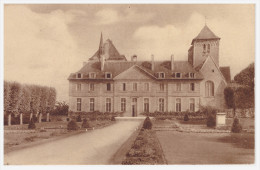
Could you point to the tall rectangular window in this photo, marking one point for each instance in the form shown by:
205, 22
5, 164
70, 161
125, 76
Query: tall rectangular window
161, 104
79, 104
91, 87
146, 105
78, 87
123, 104
192, 86
178, 105
178, 87
134, 86
92, 104
192, 104
146, 86
108, 87
108, 104
124, 87
161, 86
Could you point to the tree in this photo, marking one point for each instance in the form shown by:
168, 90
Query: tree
24, 106
15, 96
246, 77
51, 99
35, 99
6, 97
229, 97
61, 108
43, 99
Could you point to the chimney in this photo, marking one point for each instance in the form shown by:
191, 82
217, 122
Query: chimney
172, 62
134, 58
102, 62
152, 63
84, 63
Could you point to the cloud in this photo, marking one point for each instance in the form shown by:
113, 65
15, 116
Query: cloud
39, 48
111, 16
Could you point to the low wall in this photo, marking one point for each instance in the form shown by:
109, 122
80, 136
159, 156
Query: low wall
241, 113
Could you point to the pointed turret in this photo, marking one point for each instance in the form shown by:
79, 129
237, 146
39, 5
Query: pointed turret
205, 34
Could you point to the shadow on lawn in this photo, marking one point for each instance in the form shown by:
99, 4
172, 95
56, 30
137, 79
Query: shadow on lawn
240, 140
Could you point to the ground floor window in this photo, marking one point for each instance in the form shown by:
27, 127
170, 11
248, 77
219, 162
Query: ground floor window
78, 104
108, 104
92, 104
178, 105
192, 105
161, 105
123, 104
146, 105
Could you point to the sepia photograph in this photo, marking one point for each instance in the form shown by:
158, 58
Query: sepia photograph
128, 84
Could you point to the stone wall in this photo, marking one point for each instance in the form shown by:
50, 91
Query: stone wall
241, 113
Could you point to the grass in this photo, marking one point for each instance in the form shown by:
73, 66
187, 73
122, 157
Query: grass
194, 122
241, 140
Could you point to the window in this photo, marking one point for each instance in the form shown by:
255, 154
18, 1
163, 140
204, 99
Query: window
123, 104
92, 75
108, 87
161, 75
161, 105
178, 87
146, 86
124, 87
178, 105
192, 105
204, 48
161, 87
92, 104
208, 50
134, 86
192, 86
79, 76
146, 105
108, 104
209, 89
108, 75
91, 87
78, 87
79, 104
191, 75
178, 75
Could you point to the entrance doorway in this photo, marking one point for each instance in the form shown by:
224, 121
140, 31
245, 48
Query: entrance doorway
134, 107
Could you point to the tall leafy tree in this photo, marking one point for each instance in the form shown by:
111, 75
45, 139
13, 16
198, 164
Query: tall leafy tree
246, 77
35, 99
43, 99
51, 98
24, 106
15, 97
6, 97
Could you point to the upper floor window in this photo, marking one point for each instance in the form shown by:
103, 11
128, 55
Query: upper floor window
146, 86
92, 104
161, 75
91, 87
209, 87
92, 75
191, 75
192, 86
178, 87
108, 86
108, 75
79, 75
124, 87
134, 86
208, 50
79, 104
78, 87
161, 87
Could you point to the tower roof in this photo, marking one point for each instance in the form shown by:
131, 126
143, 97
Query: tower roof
205, 34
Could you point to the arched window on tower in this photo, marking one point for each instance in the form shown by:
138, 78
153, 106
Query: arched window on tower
208, 48
204, 48
209, 89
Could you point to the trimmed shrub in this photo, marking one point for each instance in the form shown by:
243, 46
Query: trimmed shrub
147, 123
85, 124
236, 126
31, 125
79, 118
113, 118
186, 117
72, 125
211, 121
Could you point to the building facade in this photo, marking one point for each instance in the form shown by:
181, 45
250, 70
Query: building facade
110, 83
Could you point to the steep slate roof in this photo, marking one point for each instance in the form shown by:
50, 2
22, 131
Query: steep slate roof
226, 73
205, 34
120, 66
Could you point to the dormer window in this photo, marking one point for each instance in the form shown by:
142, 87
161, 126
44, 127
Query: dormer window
92, 75
79, 75
178, 75
108, 75
191, 75
161, 75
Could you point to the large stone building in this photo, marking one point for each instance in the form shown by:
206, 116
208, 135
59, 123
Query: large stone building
110, 83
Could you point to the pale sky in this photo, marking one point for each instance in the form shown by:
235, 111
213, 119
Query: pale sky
43, 44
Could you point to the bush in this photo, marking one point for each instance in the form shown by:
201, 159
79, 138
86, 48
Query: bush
236, 126
211, 122
147, 123
79, 118
31, 125
113, 118
186, 117
85, 124
72, 125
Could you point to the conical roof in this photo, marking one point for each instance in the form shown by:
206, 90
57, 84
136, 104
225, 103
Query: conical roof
205, 34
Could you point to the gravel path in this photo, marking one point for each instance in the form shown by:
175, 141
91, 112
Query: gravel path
90, 148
